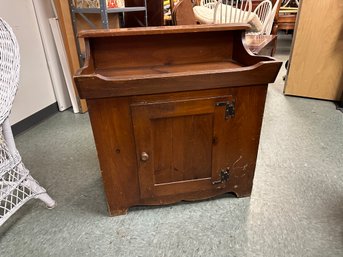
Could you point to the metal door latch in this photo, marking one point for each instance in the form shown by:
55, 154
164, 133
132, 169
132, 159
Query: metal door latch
229, 108
224, 176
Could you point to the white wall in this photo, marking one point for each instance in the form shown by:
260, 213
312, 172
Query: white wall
35, 89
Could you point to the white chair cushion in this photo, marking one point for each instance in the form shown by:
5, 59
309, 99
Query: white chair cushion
205, 15
255, 23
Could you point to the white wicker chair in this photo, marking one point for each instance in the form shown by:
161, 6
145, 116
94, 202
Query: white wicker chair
16, 184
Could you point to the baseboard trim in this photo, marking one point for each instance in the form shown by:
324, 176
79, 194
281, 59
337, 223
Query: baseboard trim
35, 118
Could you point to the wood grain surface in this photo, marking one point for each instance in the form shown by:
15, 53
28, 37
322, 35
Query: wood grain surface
163, 30
175, 116
316, 64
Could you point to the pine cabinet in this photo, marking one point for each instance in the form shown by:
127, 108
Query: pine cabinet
176, 111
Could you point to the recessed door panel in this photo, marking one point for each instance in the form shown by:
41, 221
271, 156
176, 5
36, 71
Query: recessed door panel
182, 148
174, 141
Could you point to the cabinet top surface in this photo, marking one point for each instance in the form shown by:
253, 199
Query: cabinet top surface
162, 30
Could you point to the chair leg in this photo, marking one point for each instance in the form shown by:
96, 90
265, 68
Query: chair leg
49, 202
16, 188
8, 135
39, 192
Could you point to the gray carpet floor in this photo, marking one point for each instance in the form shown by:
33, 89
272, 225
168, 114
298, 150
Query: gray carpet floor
296, 206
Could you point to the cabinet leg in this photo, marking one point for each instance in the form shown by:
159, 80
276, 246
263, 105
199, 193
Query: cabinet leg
242, 192
118, 211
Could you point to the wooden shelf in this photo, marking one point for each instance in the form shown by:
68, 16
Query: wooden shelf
169, 59
153, 71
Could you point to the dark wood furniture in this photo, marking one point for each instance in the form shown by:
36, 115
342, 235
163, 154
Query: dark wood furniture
136, 19
176, 111
286, 21
285, 18
182, 13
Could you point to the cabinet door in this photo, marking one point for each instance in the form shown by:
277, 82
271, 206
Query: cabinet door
178, 146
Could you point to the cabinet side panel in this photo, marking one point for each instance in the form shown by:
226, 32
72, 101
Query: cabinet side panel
238, 138
112, 128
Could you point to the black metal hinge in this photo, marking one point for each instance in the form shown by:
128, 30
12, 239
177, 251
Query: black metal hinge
229, 108
224, 176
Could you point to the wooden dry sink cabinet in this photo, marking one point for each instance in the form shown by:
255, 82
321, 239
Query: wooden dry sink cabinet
176, 111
